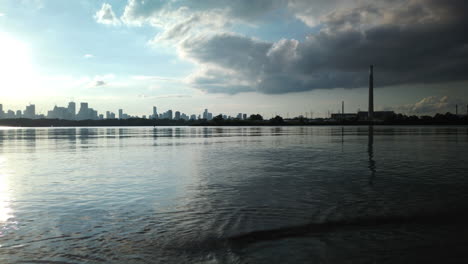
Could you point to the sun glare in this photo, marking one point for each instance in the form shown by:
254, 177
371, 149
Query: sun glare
16, 70
5, 210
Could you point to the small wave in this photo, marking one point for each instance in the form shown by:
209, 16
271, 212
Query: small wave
331, 226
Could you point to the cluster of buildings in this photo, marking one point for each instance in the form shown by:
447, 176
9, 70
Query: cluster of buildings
29, 112
87, 113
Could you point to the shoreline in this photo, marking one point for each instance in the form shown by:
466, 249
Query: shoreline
165, 122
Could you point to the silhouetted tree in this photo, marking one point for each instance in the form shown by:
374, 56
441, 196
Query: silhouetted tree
300, 119
256, 117
218, 118
277, 120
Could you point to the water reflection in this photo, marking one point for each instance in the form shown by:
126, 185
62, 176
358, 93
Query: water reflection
370, 151
18, 138
5, 209
182, 193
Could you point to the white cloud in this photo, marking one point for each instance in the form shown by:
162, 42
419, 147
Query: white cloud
106, 15
430, 105
88, 56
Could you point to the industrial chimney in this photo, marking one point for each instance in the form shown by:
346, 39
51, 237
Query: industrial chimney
371, 93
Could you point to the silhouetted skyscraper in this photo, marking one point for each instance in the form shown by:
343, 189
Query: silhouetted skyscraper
155, 112
120, 114
83, 113
371, 93
72, 110
84, 107
30, 111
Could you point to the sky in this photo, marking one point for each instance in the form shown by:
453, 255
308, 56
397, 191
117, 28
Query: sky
286, 57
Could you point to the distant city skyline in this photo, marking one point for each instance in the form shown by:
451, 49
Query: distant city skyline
85, 112
269, 57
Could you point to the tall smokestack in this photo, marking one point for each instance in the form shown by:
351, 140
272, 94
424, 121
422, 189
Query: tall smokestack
371, 93
342, 110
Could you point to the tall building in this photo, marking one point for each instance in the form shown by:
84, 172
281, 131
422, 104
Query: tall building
121, 114
10, 114
84, 107
177, 115
1, 111
155, 112
93, 114
371, 93
72, 110
30, 111
83, 114
18, 114
205, 114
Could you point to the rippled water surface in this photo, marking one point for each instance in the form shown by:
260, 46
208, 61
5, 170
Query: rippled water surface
234, 195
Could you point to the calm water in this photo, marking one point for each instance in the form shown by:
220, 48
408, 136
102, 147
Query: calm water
234, 195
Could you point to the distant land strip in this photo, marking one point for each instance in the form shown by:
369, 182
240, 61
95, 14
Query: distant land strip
438, 119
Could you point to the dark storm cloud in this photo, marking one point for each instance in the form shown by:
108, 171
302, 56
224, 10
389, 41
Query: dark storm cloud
411, 41
418, 42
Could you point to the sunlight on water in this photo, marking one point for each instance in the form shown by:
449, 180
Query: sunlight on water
5, 210
233, 195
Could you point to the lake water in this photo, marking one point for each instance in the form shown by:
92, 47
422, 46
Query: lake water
234, 195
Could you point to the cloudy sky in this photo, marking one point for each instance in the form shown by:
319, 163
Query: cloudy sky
285, 57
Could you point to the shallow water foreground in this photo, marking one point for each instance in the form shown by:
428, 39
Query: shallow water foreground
234, 195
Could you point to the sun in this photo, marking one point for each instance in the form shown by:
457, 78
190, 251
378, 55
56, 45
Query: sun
16, 70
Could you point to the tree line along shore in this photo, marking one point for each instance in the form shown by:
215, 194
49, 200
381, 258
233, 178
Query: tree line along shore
253, 120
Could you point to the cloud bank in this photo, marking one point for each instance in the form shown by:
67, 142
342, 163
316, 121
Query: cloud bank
411, 41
